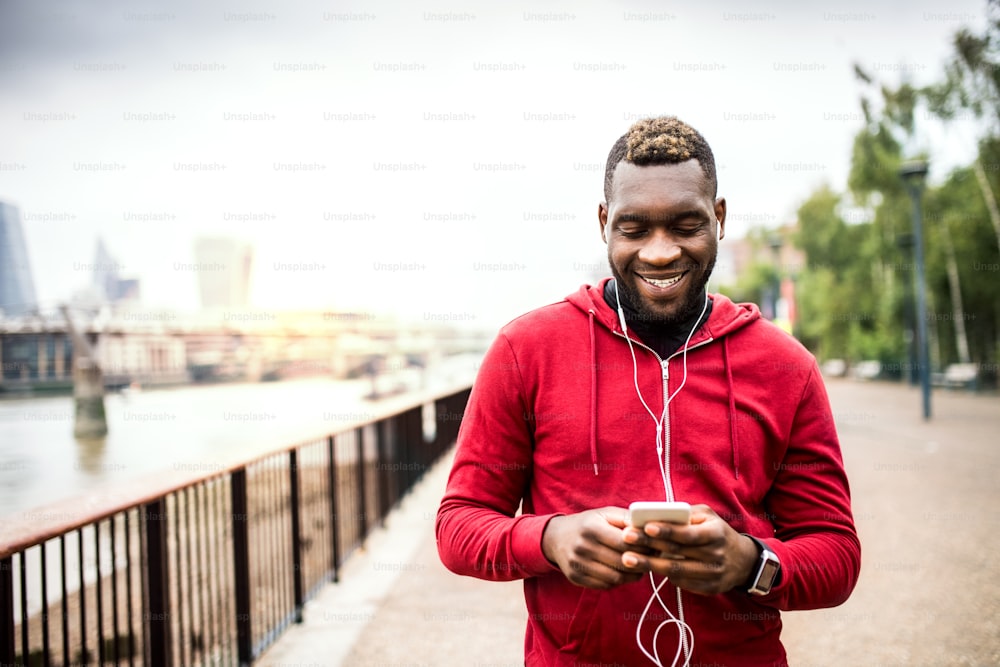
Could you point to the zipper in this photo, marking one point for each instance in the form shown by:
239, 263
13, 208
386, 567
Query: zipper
665, 365
665, 374
666, 421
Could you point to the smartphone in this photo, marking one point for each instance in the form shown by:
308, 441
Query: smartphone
642, 512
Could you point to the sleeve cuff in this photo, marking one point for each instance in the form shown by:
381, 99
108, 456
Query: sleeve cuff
527, 545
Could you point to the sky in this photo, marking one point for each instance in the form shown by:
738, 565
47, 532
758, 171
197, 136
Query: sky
436, 161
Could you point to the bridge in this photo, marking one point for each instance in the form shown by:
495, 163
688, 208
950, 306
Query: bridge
153, 348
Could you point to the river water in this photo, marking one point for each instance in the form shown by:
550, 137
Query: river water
197, 428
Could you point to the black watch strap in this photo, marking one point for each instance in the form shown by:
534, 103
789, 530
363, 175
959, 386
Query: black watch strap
759, 542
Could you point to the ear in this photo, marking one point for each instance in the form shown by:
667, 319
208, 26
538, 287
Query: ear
720, 215
602, 217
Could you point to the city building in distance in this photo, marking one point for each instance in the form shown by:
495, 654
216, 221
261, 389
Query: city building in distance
223, 268
107, 280
17, 286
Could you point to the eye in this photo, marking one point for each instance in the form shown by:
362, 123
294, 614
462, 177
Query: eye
632, 233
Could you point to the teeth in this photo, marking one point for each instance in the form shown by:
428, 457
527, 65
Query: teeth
663, 283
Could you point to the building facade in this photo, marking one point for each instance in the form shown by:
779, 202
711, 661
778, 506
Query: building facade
17, 286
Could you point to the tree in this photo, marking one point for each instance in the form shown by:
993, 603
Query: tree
840, 315
856, 291
972, 84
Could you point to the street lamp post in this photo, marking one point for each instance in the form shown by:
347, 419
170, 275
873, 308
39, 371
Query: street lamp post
905, 243
913, 173
775, 243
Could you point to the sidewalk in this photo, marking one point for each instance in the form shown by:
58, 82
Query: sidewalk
926, 499
927, 506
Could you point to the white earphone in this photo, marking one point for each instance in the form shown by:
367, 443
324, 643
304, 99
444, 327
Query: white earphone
686, 644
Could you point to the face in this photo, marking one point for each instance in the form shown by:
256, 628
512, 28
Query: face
660, 228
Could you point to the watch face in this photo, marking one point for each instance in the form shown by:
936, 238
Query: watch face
767, 574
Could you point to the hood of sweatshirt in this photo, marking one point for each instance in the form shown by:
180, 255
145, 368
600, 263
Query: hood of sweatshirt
726, 317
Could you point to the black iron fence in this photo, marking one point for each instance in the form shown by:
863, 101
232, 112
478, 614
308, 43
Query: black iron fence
208, 570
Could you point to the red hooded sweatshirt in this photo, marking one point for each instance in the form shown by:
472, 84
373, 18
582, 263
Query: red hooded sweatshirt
554, 426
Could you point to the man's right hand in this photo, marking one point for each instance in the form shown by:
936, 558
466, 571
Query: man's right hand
588, 547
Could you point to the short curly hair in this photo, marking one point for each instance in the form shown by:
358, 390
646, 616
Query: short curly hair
662, 140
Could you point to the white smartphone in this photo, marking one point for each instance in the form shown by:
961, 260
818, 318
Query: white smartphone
642, 512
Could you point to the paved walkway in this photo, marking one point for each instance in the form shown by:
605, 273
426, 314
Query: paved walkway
927, 505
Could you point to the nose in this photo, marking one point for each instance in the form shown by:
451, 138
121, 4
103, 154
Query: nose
659, 249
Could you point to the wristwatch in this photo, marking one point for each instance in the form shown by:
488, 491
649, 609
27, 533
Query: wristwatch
765, 572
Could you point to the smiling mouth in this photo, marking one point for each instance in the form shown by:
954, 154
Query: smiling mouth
662, 283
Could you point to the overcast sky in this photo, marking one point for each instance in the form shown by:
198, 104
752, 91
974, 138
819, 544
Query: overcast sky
440, 160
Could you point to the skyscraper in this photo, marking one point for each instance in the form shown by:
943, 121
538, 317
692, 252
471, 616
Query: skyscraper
108, 282
223, 266
17, 288
105, 272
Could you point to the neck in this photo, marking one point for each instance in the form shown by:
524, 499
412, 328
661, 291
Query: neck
663, 336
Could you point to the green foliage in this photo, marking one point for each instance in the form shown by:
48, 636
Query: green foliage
875, 164
840, 314
855, 295
814, 291
972, 77
959, 205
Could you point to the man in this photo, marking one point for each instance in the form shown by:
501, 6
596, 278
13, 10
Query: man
645, 388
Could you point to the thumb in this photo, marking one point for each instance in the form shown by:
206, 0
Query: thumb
616, 516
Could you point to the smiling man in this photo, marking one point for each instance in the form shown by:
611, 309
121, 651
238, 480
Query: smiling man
646, 388
660, 198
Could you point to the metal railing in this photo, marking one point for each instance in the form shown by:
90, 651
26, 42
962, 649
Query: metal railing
210, 569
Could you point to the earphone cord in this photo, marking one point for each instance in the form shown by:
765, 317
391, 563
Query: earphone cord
686, 644
659, 422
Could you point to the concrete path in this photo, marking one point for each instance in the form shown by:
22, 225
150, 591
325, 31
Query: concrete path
926, 499
927, 504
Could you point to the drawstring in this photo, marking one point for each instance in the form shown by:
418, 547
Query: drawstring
593, 395
733, 431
